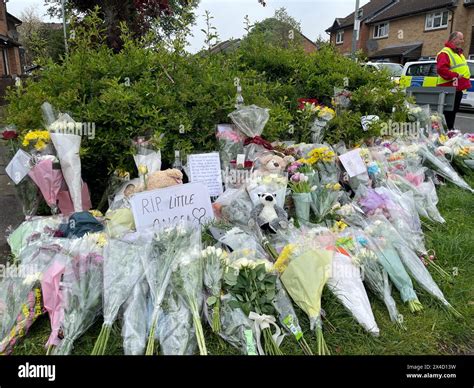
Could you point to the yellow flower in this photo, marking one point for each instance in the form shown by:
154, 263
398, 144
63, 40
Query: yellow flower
443, 138
336, 187
282, 261
339, 226
40, 145
101, 240
96, 213
142, 169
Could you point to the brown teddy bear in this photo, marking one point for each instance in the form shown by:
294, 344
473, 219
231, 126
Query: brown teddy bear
273, 164
158, 180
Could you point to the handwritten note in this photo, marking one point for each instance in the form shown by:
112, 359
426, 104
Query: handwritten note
353, 163
19, 166
170, 206
206, 169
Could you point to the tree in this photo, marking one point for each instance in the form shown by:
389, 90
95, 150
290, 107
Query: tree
163, 17
279, 30
39, 40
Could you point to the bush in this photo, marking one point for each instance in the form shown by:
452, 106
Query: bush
170, 89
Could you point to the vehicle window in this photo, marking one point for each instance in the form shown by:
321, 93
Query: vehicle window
471, 68
394, 69
422, 70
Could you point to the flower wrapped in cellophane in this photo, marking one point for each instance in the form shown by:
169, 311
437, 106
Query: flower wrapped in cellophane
83, 285
388, 256
346, 284
375, 276
168, 245
147, 153
122, 270
213, 267
305, 266
253, 287
134, 326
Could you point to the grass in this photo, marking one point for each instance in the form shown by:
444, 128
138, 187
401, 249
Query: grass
433, 331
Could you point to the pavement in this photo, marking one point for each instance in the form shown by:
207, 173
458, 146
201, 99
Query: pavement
11, 214
465, 121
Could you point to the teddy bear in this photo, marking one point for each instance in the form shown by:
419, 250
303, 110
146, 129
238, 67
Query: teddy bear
268, 215
158, 180
273, 164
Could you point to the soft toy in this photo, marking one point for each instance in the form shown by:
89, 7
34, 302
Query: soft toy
268, 215
273, 164
159, 180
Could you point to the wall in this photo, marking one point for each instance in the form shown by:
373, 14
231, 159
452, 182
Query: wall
346, 46
3, 19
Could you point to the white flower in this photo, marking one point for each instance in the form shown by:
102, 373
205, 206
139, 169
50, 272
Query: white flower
314, 188
445, 150
31, 279
219, 252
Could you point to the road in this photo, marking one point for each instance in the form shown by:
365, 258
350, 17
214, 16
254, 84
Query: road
465, 121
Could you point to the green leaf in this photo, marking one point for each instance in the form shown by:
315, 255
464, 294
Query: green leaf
211, 300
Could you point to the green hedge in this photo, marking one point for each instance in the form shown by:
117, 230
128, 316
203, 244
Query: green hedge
170, 88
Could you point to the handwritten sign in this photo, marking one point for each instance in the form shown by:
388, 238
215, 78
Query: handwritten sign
353, 163
19, 166
206, 169
175, 204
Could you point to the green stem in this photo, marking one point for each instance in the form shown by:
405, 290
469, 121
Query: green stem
216, 320
150, 347
48, 351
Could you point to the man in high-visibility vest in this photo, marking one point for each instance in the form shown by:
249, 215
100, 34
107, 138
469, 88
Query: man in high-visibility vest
453, 70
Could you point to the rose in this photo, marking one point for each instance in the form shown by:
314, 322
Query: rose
9, 134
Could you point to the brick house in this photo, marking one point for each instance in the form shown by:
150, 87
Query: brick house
405, 30
10, 55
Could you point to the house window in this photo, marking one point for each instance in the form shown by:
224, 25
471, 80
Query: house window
381, 30
436, 20
6, 66
339, 37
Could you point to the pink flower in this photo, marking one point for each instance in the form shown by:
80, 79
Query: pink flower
294, 167
296, 177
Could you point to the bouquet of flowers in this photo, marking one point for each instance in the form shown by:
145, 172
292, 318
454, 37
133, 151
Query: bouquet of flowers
271, 183
236, 327
288, 319
390, 260
346, 284
176, 332
323, 160
122, 270
324, 200
301, 189
83, 284
134, 327
37, 142
305, 267
254, 289
250, 121
213, 265
188, 284
168, 245
342, 98
147, 153
231, 143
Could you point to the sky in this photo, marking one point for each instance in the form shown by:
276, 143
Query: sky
315, 16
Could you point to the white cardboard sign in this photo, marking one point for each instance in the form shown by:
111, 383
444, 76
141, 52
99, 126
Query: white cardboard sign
165, 207
206, 168
353, 163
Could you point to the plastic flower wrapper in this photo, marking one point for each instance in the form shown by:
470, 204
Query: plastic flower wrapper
438, 123
323, 159
378, 229
83, 284
250, 121
288, 319
118, 178
305, 267
271, 183
49, 180
122, 270
459, 151
188, 284
20, 294
213, 266
37, 142
254, 289
234, 206
68, 147
324, 115
134, 324
168, 245
175, 330
236, 238
147, 153
324, 200
236, 327
346, 284
421, 115
231, 143
342, 98
441, 166
417, 269
34, 229
375, 276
